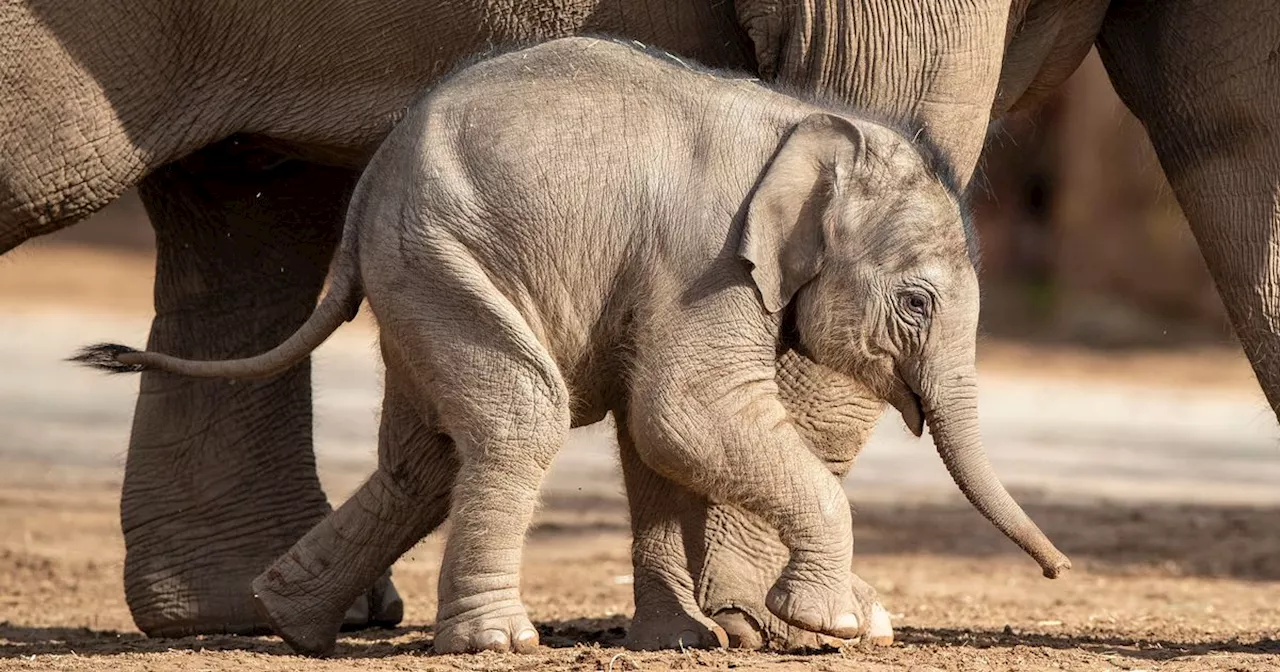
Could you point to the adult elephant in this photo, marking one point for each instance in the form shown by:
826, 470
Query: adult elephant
244, 125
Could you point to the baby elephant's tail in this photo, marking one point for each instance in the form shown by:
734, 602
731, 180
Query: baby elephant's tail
339, 305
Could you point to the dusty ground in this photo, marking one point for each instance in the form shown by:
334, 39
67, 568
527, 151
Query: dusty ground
1162, 494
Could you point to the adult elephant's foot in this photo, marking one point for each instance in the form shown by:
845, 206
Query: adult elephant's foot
381, 607
220, 478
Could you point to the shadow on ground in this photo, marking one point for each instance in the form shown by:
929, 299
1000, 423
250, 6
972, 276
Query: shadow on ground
1147, 649
1181, 539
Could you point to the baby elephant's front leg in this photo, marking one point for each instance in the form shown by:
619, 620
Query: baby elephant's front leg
732, 558
719, 429
738, 555
761, 465
663, 516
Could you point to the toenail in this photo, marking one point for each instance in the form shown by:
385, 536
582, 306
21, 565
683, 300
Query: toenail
526, 635
833, 642
881, 629
492, 640
846, 623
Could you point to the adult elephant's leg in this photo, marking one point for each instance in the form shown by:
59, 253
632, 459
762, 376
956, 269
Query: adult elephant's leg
1204, 78
220, 477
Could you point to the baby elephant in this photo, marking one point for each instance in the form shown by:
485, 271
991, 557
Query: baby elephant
581, 227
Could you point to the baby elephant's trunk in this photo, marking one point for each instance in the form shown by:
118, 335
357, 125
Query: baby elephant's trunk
952, 414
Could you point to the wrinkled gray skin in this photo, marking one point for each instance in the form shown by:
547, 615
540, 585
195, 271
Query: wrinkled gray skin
580, 228
243, 126
702, 548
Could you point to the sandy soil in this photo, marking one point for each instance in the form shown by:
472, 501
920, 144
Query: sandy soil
1170, 588
1180, 581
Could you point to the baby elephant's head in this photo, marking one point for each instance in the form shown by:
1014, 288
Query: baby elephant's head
856, 230
865, 238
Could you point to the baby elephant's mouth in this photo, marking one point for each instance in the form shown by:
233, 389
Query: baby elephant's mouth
839, 467
910, 406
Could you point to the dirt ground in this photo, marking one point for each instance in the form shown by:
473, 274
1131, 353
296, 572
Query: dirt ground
1168, 586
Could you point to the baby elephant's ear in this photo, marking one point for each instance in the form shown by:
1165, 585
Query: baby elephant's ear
790, 216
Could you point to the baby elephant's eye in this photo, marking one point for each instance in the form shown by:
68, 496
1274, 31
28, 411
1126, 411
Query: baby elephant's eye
917, 303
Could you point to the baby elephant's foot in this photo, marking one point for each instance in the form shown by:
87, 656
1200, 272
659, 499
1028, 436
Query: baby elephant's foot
815, 606
501, 627
656, 628
309, 624
306, 611
747, 630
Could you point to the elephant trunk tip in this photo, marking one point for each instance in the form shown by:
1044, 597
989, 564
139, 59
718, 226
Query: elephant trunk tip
1053, 562
1053, 570
106, 357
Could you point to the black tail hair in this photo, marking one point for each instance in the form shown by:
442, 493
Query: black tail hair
104, 357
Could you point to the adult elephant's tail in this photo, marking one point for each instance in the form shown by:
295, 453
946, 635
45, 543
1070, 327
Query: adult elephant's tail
340, 304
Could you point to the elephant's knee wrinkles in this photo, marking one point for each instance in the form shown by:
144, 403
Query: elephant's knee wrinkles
676, 445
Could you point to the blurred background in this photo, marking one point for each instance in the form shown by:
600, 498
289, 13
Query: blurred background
1082, 237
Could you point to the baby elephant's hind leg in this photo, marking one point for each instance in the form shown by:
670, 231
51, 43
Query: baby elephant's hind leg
305, 592
504, 459
667, 615
500, 395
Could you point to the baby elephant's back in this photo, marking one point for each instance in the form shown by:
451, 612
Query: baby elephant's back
570, 115
579, 134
